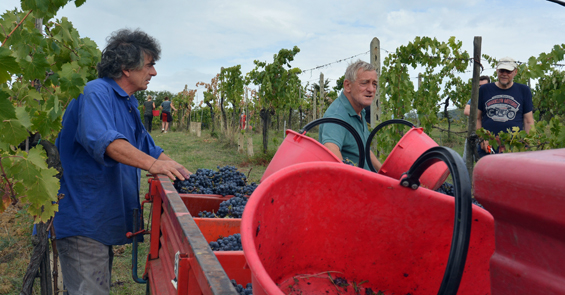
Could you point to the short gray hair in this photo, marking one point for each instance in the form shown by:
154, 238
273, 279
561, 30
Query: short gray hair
126, 50
352, 69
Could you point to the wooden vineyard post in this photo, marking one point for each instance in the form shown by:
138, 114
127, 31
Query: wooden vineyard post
472, 126
314, 104
240, 142
250, 146
419, 85
322, 94
376, 111
198, 127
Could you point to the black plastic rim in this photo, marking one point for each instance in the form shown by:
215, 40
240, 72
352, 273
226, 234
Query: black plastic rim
343, 124
463, 210
374, 132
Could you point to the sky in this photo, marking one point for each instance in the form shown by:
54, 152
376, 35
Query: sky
197, 38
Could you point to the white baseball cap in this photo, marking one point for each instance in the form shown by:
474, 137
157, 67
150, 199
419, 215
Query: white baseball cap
507, 63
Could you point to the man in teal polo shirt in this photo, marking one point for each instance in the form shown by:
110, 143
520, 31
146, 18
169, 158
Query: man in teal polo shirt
359, 88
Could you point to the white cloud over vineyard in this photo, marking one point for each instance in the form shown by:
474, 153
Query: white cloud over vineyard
199, 37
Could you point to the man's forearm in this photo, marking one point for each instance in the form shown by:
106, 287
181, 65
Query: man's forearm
376, 163
528, 121
467, 110
479, 120
122, 151
334, 149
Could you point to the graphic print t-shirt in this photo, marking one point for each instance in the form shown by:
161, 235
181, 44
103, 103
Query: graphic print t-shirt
504, 108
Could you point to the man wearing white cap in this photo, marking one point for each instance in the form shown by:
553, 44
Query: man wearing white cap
504, 104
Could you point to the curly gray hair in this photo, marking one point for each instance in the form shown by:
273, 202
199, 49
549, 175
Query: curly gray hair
352, 69
126, 50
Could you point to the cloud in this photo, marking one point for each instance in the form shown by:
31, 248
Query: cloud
200, 37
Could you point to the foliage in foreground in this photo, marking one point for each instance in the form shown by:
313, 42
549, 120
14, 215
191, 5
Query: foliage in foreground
41, 71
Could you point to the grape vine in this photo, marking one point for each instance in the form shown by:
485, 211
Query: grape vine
42, 69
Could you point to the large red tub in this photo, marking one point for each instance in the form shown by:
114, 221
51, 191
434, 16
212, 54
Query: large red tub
314, 221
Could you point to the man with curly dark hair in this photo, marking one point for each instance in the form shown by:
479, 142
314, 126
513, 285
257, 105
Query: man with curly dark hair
103, 145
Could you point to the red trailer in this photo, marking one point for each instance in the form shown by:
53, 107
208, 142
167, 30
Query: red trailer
517, 244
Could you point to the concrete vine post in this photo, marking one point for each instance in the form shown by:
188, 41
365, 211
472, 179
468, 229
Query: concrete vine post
376, 111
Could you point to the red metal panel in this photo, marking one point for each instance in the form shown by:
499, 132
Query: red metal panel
179, 232
525, 193
159, 281
155, 219
183, 270
198, 203
195, 288
214, 228
235, 265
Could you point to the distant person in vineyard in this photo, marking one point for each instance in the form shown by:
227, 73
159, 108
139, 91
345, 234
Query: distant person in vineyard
467, 111
504, 104
359, 88
166, 107
103, 146
148, 107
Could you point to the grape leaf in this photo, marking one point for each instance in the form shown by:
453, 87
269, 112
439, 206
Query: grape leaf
44, 125
23, 117
4, 146
8, 65
78, 3
7, 110
41, 197
55, 108
19, 189
37, 157
36, 68
25, 170
12, 132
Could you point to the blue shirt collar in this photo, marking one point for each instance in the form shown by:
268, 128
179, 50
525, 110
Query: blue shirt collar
116, 87
348, 107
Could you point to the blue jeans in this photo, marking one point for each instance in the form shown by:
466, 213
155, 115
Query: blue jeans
86, 265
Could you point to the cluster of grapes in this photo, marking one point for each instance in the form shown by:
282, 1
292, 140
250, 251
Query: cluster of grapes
226, 181
231, 243
242, 291
232, 208
447, 189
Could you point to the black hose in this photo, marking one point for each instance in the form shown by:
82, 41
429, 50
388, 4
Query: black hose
374, 132
343, 124
134, 275
463, 212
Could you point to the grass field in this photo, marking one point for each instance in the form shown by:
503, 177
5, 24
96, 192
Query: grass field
187, 149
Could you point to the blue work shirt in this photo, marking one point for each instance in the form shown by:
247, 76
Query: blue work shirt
100, 193
329, 132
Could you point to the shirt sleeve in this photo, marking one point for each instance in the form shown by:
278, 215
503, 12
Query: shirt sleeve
96, 124
148, 146
330, 132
